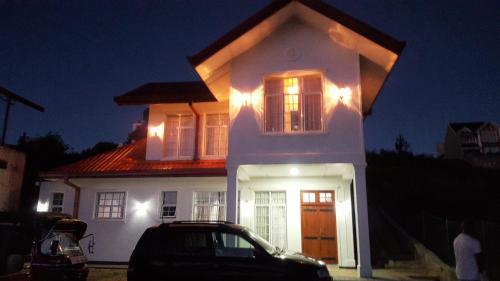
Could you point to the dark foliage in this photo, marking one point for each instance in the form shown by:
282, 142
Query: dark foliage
44, 153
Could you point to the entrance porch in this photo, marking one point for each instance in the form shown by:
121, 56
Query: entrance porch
307, 208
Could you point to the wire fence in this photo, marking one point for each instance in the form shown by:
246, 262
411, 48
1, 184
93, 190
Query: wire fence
438, 233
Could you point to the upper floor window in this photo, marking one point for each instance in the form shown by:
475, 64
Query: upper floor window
179, 137
489, 134
216, 135
468, 138
293, 104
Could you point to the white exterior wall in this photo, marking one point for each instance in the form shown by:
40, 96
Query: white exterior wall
342, 140
293, 186
115, 239
47, 188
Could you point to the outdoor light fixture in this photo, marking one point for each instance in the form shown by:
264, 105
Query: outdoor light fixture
157, 131
141, 208
42, 206
294, 171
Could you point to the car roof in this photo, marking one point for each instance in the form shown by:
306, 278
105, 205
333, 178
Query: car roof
202, 224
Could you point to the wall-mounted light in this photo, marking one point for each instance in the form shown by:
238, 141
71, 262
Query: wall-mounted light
42, 206
157, 131
141, 208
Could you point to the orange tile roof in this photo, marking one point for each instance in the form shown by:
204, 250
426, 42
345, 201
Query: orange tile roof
129, 161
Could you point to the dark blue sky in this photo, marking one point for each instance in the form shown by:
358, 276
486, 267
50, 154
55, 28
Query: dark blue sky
73, 56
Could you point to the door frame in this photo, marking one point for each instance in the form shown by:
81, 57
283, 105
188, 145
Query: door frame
319, 204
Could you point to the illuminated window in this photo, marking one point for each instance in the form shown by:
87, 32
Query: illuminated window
293, 104
179, 137
216, 135
325, 197
57, 202
110, 205
308, 197
209, 206
270, 217
168, 204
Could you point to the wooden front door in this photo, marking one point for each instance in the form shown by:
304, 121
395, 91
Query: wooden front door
319, 230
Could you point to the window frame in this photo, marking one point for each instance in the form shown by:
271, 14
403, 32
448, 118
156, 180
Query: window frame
194, 205
299, 75
179, 138
96, 206
270, 205
205, 136
52, 205
161, 204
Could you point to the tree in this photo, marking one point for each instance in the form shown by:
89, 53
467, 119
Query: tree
401, 145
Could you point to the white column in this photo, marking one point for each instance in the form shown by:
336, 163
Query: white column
232, 193
362, 230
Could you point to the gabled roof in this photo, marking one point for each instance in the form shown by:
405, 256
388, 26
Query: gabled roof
129, 161
473, 126
378, 51
329, 11
167, 92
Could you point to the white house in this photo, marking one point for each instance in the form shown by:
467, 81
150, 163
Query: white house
271, 138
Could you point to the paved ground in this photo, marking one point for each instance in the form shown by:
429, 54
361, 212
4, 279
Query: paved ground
119, 274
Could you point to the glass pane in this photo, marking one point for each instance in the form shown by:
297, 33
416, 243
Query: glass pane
170, 197
187, 142
212, 120
262, 221
201, 197
231, 245
273, 86
278, 198
217, 197
187, 121
212, 141
312, 112
274, 113
278, 229
311, 84
262, 197
308, 197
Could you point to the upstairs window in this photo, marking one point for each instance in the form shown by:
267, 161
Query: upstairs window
216, 129
179, 137
57, 202
468, 138
489, 134
293, 104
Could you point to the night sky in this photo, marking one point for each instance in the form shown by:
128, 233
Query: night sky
72, 57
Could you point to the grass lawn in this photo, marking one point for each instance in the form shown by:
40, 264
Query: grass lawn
106, 274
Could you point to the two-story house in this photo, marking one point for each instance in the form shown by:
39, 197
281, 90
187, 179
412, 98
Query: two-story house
478, 143
271, 138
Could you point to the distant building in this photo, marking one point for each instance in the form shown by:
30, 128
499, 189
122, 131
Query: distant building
478, 143
11, 178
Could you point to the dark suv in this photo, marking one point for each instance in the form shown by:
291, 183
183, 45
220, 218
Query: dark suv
216, 251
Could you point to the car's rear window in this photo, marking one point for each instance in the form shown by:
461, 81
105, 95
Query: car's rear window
162, 243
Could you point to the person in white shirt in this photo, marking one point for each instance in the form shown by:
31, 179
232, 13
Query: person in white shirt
467, 254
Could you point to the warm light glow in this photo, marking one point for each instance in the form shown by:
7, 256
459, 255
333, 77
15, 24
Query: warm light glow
341, 95
294, 171
141, 208
240, 99
336, 95
157, 131
42, 206
291, 86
